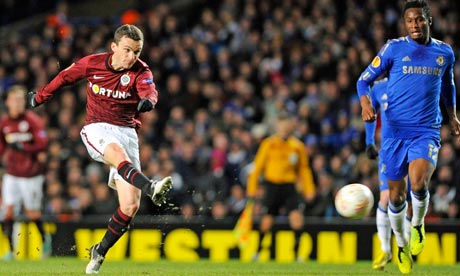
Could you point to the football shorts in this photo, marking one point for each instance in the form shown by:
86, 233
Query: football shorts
397, 153
27, 191
97, 136
280, 196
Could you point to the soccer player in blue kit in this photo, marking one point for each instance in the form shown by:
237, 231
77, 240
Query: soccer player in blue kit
420, 74
379, 99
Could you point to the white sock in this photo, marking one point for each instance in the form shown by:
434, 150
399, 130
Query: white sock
407, 227
419, 207
396, 216
383, 229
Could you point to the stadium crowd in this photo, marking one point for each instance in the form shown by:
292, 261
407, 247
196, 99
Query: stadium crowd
224, 70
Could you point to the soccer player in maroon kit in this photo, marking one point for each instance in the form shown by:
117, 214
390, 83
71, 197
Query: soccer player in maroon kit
23, 143
120, 86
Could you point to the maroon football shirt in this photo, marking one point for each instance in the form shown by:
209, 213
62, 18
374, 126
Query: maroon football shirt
28, 130
112, 95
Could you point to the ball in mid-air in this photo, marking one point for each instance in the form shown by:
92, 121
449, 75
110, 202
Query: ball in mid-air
354, 201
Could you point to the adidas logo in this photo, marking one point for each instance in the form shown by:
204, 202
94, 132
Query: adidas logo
406, 58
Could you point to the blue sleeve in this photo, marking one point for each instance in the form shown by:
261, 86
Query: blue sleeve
370, 127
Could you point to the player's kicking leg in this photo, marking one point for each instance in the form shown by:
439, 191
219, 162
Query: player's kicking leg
123, 159
156, 190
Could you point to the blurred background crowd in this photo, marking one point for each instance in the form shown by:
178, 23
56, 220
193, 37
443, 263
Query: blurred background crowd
223, 69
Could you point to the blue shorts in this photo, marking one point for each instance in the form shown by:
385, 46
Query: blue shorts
397, 153
383, 186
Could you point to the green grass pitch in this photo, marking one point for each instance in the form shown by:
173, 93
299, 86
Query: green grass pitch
57, 266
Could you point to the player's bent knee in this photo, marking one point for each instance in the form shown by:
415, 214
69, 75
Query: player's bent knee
420, 188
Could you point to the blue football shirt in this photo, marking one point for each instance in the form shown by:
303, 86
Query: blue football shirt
418, 77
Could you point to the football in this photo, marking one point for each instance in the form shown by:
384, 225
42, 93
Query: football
354, 201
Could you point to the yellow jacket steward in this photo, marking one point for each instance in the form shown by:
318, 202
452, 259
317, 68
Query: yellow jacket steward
281, 162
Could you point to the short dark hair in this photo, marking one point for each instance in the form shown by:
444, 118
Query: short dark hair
418, 4
130, 31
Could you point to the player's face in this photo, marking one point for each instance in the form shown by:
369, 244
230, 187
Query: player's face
417, 25
16, 103
125, 53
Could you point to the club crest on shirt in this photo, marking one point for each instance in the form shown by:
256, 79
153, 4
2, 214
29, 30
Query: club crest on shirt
23, 126
376, 62
125, 79
440, 60
293, 158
